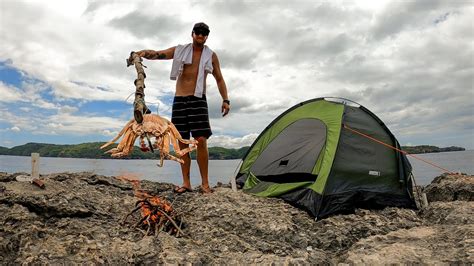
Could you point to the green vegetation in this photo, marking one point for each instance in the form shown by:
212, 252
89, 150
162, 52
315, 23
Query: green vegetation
91, 150
4, 150
429, 149
219, 153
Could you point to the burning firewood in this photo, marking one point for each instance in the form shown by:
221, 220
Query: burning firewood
157, 215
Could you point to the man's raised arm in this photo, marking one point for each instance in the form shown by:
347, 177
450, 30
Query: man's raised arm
157, 55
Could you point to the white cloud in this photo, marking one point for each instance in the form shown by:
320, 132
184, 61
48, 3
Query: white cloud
9, 93
82, 125
232, 142
68, 109
62, 123
108, 133
15, 129
401, 59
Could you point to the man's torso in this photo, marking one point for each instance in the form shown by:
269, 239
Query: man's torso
186, 83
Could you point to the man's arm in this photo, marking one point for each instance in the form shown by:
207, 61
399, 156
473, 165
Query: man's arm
220, 84
154, 55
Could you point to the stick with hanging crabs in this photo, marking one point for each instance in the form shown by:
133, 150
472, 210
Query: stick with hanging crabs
151, 126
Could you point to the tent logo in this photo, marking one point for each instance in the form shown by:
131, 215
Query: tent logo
374, 173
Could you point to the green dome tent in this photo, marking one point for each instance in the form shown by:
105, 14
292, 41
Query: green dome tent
310, 157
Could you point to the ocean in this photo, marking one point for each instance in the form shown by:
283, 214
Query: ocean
219, 170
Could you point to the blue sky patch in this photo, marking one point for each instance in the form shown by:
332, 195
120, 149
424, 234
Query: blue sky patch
9, 75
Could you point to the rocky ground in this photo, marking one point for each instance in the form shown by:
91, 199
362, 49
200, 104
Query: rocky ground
77, 219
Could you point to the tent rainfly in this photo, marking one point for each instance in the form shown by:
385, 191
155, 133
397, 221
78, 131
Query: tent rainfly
310, 157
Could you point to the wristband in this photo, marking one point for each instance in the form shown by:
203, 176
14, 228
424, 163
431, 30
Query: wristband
226, 101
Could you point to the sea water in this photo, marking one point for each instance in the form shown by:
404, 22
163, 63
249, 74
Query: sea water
219, 170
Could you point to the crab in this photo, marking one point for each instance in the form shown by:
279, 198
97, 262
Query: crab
158, 131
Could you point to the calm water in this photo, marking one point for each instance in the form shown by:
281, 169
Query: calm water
219, 170
456, 161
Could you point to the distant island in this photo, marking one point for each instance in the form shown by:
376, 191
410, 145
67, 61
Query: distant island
429, 149
91, 151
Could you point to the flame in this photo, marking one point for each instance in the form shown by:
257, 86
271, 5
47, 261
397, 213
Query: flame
135, 181
155, 201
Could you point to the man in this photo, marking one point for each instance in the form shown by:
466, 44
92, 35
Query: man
191, 64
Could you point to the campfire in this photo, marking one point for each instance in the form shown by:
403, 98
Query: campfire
157, 214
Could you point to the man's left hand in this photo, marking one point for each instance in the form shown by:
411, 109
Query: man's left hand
225, 108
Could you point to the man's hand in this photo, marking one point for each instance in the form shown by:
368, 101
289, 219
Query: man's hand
133, 55
225, 107
130, 59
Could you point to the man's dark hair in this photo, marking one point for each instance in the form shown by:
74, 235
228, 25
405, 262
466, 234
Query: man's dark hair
201, 26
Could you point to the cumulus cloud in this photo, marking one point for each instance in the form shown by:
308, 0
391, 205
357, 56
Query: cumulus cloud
81, 125
9, 93
399, 16
232, 142
143, 26
15, 129
410, 62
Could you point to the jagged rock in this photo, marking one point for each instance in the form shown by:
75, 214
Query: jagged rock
451, 187
78, 219
5, 177
452, 213
418, 245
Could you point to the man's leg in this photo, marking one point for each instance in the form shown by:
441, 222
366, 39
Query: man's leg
179, 115
186, 167
203, 162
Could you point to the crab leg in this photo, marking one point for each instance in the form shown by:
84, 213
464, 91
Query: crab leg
171, 157
124, 129
179, 152
176, 134
126, 145
163, 130
165, 148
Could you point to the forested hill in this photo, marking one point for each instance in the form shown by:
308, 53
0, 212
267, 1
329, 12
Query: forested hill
430, 149
91, 150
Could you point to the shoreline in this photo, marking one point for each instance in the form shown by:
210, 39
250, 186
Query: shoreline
429, 153
91, 150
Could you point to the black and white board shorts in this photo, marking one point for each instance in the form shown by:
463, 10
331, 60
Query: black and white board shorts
190, 115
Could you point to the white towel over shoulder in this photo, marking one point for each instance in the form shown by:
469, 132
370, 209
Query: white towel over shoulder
183, 54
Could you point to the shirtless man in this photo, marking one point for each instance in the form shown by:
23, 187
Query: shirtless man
190, 112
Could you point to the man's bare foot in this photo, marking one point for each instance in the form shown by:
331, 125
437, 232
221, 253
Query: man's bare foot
206, 190
181, 190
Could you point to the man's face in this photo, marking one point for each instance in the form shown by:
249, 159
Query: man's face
200, 35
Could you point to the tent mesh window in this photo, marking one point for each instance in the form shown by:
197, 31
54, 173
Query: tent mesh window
292, 155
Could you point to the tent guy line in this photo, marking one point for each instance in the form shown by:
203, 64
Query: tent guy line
397, 149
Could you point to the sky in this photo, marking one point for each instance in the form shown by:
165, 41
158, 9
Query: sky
64, 80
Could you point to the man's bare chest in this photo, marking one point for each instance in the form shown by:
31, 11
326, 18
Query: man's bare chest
193, 68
